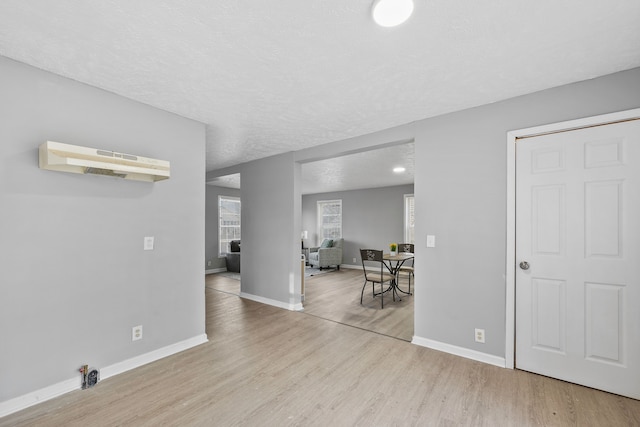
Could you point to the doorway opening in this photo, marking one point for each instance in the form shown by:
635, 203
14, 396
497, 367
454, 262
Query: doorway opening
223, 233
372, 199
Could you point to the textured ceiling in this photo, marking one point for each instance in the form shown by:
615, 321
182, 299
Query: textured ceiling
271, 77
367, 169
361, 170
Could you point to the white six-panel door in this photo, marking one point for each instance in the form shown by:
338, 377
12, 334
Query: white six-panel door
578, 256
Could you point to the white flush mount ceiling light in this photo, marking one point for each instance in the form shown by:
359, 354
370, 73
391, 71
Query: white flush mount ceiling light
389, 13
399, 169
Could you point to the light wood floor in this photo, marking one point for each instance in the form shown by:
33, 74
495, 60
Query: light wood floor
221, 283
266, 366
335, 296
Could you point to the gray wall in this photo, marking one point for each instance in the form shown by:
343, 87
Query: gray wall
271, 208
460, 195
460, 185
211, 226
371, 218
74, 278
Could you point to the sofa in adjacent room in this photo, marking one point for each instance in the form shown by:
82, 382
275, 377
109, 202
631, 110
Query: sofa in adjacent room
233, 257
329, 253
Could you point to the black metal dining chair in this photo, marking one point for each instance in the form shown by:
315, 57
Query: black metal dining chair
372, 258
407, 267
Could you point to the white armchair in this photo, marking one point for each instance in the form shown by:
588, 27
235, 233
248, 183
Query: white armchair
327, 254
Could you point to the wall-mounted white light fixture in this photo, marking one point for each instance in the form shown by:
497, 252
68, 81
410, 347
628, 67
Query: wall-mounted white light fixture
389, 13
399, 169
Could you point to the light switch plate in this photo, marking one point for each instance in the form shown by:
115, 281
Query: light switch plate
148, 243
431, 241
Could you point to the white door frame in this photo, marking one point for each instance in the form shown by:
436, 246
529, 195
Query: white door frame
512, 136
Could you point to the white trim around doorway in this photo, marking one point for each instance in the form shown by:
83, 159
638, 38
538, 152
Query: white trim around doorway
512, 137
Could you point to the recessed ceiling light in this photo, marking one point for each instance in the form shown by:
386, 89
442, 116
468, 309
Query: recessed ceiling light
389, 13
399, 169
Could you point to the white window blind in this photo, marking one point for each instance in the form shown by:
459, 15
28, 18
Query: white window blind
409, 219
228, 222
329, 219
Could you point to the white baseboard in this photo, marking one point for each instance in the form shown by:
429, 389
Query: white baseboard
152, 356
22, 402
215, 270
275, 303
354, 267
460, 351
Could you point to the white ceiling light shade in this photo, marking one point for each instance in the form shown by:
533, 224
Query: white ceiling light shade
399, 169
389, 13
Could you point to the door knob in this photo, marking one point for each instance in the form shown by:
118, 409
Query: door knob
524, 265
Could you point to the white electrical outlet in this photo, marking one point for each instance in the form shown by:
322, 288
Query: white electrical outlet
354, 260
136, 333
208, 263
480, 335
431, 241
148, 243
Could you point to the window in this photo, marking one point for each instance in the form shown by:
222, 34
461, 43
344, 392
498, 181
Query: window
329, 219
409, 219
228, 222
